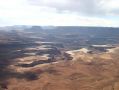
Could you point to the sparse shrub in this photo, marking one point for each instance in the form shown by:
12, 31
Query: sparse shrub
30, 75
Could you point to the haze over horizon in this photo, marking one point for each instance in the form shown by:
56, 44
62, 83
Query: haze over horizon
59, 44
60, 12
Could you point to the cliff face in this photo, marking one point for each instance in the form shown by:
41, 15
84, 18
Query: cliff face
98, 74
37, 59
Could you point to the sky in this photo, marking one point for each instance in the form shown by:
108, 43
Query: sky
60, 12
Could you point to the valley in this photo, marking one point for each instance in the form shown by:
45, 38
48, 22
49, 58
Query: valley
59, 58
